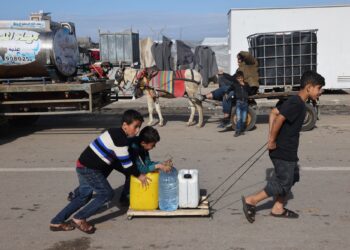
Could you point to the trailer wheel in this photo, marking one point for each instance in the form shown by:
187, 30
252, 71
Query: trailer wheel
22, 121
310, 118
251, 118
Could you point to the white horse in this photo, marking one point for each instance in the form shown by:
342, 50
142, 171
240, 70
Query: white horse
140, 79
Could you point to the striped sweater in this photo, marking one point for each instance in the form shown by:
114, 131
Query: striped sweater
109, 151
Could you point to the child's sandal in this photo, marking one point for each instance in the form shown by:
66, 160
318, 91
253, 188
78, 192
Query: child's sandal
249, 210
65, 226
85, 227
289, 214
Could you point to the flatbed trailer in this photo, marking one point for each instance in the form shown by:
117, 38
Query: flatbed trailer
24, 101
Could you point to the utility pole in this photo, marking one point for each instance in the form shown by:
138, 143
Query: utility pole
157, 33
161, 31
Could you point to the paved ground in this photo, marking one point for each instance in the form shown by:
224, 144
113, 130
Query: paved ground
37, 172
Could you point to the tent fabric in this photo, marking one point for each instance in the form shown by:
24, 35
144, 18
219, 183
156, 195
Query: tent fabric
184, 53
205, 63
147, 59
162, 54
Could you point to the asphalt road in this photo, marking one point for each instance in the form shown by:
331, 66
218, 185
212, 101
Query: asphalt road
37, 172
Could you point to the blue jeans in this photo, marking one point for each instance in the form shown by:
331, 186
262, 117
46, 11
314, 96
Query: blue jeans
90, 180
219, 95
241, 114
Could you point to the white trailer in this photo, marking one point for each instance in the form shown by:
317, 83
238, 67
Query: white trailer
333, 36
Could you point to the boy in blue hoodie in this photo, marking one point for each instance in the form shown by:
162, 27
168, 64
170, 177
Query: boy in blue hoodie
139, 148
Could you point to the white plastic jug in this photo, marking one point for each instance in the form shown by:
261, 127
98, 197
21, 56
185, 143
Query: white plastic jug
188, 188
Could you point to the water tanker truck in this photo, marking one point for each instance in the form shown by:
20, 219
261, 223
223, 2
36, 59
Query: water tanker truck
38, 66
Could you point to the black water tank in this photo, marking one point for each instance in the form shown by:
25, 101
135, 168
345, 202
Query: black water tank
284, 56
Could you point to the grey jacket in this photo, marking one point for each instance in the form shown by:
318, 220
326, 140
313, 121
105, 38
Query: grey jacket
162, 54
184, 53
205, 63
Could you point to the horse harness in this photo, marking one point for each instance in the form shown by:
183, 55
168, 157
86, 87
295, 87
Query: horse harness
149, 73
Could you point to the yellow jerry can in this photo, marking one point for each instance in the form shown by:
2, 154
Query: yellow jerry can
142, 198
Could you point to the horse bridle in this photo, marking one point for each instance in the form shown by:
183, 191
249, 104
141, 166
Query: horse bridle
121, 78
144, 74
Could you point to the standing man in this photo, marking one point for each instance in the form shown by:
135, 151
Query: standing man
285, 123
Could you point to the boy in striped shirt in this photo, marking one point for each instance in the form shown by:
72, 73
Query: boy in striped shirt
107, 152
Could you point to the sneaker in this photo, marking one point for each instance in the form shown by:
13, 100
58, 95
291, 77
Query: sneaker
200, 97
237, 134
70, 196
224, 123
229, 125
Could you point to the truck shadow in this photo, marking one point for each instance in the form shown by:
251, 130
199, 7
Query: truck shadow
62, 124
9, 134
75, 124
87, 124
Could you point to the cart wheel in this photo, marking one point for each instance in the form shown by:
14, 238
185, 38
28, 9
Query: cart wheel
318, 112
310, 118
251, 118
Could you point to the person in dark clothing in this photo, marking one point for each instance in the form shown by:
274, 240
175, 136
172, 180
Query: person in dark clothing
139, 148
285, 123
249, 66
107, 152
241, 90
225, 94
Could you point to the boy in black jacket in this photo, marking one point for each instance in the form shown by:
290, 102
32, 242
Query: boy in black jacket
241, 90
285, 123
107, 152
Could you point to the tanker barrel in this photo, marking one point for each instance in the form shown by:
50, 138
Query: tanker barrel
31, 52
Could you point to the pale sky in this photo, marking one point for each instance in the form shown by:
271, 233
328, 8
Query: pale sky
185, 19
